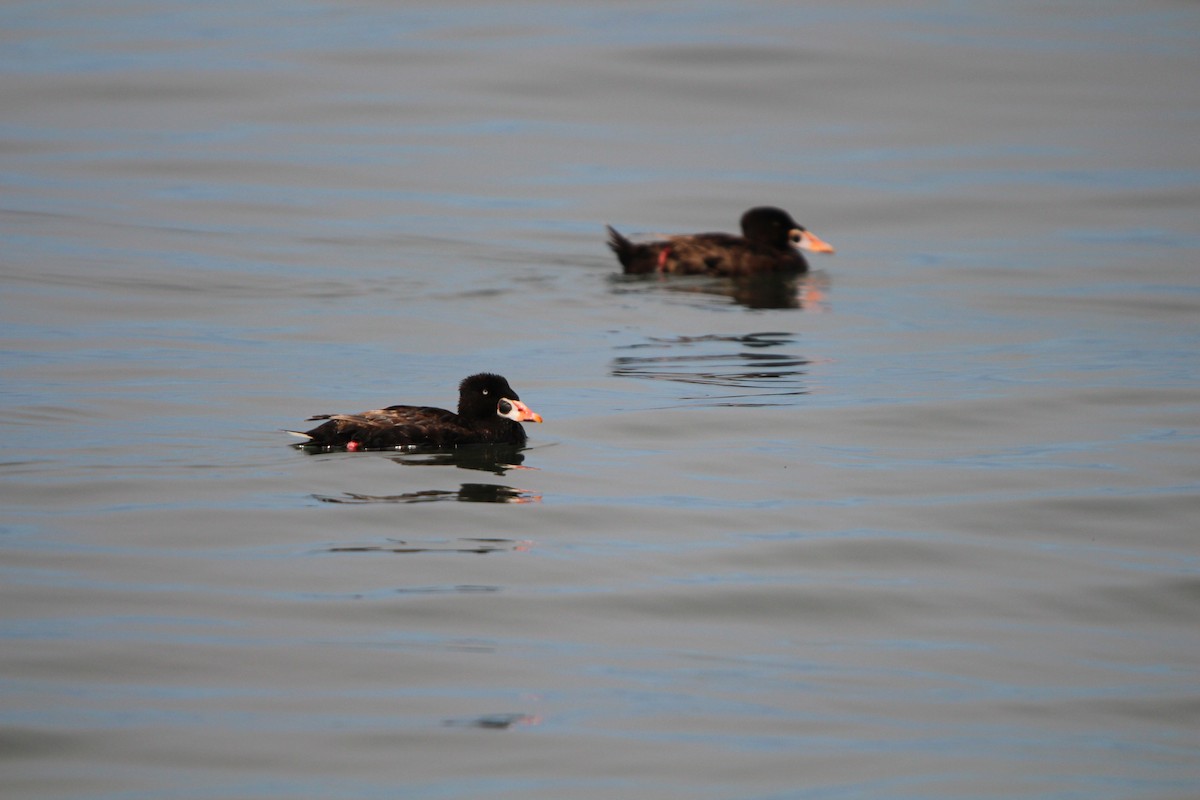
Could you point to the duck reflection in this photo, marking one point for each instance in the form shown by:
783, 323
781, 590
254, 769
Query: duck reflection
494, 722
707, 360
466, 493
771, 291
478, 546
497, 459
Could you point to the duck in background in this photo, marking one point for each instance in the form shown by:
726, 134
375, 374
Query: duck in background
770, 243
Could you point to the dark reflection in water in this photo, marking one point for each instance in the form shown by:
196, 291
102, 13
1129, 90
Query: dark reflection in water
707, 360
806, 291
466, 493
461, 545
497, 459
494, 722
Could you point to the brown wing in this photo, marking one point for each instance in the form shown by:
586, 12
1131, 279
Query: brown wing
726, 254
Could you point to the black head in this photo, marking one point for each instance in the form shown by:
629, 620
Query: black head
479, 394
771, 226
486, 396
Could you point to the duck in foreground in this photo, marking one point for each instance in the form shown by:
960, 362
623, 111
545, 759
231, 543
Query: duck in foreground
489, 412
771, 242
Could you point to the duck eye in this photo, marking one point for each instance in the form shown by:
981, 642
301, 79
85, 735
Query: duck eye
484, 392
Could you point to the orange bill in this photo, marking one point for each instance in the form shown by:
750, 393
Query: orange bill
518, 411
811, 242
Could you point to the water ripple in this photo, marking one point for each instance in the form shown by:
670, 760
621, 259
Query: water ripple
724, 361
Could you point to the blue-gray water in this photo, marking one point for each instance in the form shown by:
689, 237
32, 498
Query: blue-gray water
928, 528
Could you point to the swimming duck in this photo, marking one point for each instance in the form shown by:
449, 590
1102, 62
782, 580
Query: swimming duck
770, 243
489, 412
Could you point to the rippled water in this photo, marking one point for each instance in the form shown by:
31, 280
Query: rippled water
919, 524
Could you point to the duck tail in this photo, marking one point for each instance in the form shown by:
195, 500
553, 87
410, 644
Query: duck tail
620, 245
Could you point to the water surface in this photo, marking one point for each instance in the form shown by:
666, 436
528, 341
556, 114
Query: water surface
919, 524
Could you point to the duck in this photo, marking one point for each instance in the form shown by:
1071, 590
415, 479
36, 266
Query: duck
489, 412
770, 243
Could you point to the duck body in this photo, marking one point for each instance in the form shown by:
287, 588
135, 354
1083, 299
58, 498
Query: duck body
489, 412
770, 243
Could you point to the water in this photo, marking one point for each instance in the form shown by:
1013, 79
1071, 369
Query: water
922, 524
